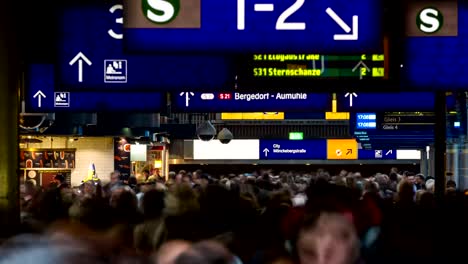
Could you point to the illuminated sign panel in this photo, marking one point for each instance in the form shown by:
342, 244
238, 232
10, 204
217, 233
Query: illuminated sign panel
436, 49
296, 136
342, 149
432, 18
377, 154
248, 26
44, 95
316, 66
293, 149
366, 121
248, 102
91, 56
235, 150
239, 102
253, 116
280, 149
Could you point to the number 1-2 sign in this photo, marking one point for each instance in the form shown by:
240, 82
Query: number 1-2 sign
281, 23
250, 26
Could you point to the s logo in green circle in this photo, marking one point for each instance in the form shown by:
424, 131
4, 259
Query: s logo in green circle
160, 11
429, 20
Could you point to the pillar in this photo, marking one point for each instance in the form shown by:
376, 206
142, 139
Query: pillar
9, 189
424, 165
440, 137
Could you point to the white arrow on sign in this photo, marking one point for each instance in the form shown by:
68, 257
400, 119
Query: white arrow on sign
265, 151
350, 95
361, 65
187, 97
388, 152
80, 57
39, 96
354, 31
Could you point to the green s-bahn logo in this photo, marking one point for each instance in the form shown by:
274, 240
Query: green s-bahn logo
430, 20
160, 11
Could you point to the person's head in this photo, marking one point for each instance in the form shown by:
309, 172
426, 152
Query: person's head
420, 179
169, 251
172, 175
178, 178
411, 177
187, 178
343, 173
430, 185
406, 192
451, 184
29, 187
59, 178
393, 177
382, 180
427, 200
88, 188
114, 177
205, 252
205, 179
153, 203
145, 174
371, 187
124, 200
132, 181
197, 174
419, 194
328, 238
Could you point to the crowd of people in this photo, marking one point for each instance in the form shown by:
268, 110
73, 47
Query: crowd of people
264, 217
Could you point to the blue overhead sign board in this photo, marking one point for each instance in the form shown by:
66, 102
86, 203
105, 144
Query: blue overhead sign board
436, 50
250, 26
42, 95
377, 154
380, 102
301, 102
91, 57
249, 102
312, 149
293, 150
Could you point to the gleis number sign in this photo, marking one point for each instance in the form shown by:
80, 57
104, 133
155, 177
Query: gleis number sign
164, 11
253, 26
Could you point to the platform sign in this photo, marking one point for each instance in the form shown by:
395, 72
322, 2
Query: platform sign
293, 149
408, 121
381, 102
250, 26
91, 57
342, 149
249, 102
